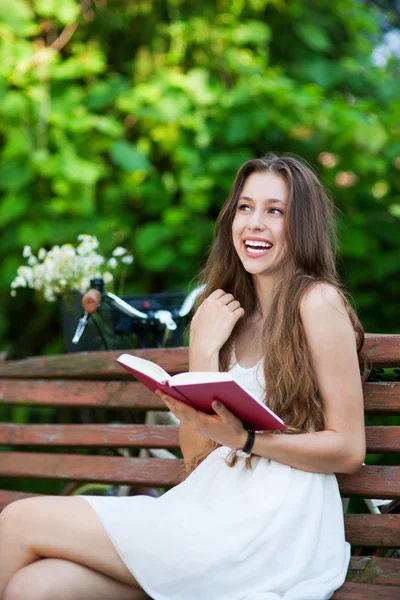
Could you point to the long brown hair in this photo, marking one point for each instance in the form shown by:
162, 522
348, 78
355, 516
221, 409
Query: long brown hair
310, 231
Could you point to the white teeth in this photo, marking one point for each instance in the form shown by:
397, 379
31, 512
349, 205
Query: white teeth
252, 244
254, 251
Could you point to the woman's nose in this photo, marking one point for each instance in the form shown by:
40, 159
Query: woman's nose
256, 220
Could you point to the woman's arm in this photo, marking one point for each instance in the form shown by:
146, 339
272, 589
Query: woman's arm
211, 326
191, 442
331, 339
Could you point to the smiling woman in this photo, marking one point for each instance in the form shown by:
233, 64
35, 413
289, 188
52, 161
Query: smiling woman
240, 526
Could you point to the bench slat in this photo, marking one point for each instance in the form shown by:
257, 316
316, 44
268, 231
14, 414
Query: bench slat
374, 569
366, 591
383, 439
381, 349
105, 469
380, 398
128, 436
90, 394
379, 439
371, 481
92, 365
382, 531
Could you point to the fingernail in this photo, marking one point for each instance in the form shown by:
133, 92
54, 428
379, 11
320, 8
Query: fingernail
217, 404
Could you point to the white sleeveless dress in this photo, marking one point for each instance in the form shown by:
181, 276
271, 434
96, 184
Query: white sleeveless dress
231, 533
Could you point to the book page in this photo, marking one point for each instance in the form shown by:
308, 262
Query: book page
147, 367
200, 377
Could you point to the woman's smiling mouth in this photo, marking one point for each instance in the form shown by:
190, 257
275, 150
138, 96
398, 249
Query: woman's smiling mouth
256, 247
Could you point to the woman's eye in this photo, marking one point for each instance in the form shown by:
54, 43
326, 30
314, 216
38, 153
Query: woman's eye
243, 206
278, 209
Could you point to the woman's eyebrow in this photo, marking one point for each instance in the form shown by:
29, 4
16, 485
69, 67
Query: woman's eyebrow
266, 200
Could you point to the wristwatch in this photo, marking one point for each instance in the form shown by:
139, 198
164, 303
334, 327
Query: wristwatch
247, 448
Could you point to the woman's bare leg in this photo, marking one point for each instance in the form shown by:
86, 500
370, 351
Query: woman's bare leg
57, 527
52, 578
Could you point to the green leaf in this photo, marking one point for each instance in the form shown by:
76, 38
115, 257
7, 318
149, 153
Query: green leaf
251, 32
153, 249
15, 173
66, 11
18, 15
151, 236
128, 157
313, 36
13, 207
356, 243
163, 259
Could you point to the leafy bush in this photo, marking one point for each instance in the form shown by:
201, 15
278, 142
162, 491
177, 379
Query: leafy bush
128, 121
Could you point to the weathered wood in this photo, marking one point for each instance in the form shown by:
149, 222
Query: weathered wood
379, 439
110, 436
380, 398
374, 569
381, 531
92, 365
371, 481
366, 591
383, 439
106, 469
380, 349
91, 394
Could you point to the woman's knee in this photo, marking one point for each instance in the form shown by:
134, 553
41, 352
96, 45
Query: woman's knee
13, 519
24, 586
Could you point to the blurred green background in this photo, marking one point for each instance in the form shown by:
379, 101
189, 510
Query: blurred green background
128, 120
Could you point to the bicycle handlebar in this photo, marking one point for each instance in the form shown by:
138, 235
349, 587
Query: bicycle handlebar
92, 299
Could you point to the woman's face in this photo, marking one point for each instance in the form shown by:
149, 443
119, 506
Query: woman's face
258, 228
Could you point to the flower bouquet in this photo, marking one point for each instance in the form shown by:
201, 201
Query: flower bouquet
64, 273
68, 268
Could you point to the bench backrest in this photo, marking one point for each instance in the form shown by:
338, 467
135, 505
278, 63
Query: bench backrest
94, 381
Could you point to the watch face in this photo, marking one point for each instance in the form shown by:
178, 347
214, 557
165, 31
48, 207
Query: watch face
242, 454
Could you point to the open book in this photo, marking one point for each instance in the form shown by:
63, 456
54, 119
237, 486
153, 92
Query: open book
199, 389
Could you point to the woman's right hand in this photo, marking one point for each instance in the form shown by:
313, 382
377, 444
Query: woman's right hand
214, 321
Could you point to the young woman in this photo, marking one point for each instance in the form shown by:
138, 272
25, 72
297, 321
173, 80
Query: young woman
260, 516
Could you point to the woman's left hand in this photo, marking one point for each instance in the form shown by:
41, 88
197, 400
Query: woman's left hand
223, 427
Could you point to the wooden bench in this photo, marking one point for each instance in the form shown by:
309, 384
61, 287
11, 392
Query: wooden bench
42, 451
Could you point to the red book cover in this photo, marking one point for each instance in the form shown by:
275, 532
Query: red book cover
201, 393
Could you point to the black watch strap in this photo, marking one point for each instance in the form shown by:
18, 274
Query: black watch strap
246, 452
251, 436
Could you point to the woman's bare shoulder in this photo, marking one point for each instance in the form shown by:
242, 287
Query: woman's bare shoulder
322, 297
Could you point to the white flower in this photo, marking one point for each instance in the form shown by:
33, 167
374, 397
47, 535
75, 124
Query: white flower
13, 293
67, 267
119, 251
26, 273
128, 259
107, 277
18, 282
49, 294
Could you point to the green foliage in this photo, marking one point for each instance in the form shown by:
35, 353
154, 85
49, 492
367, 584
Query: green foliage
132, 127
